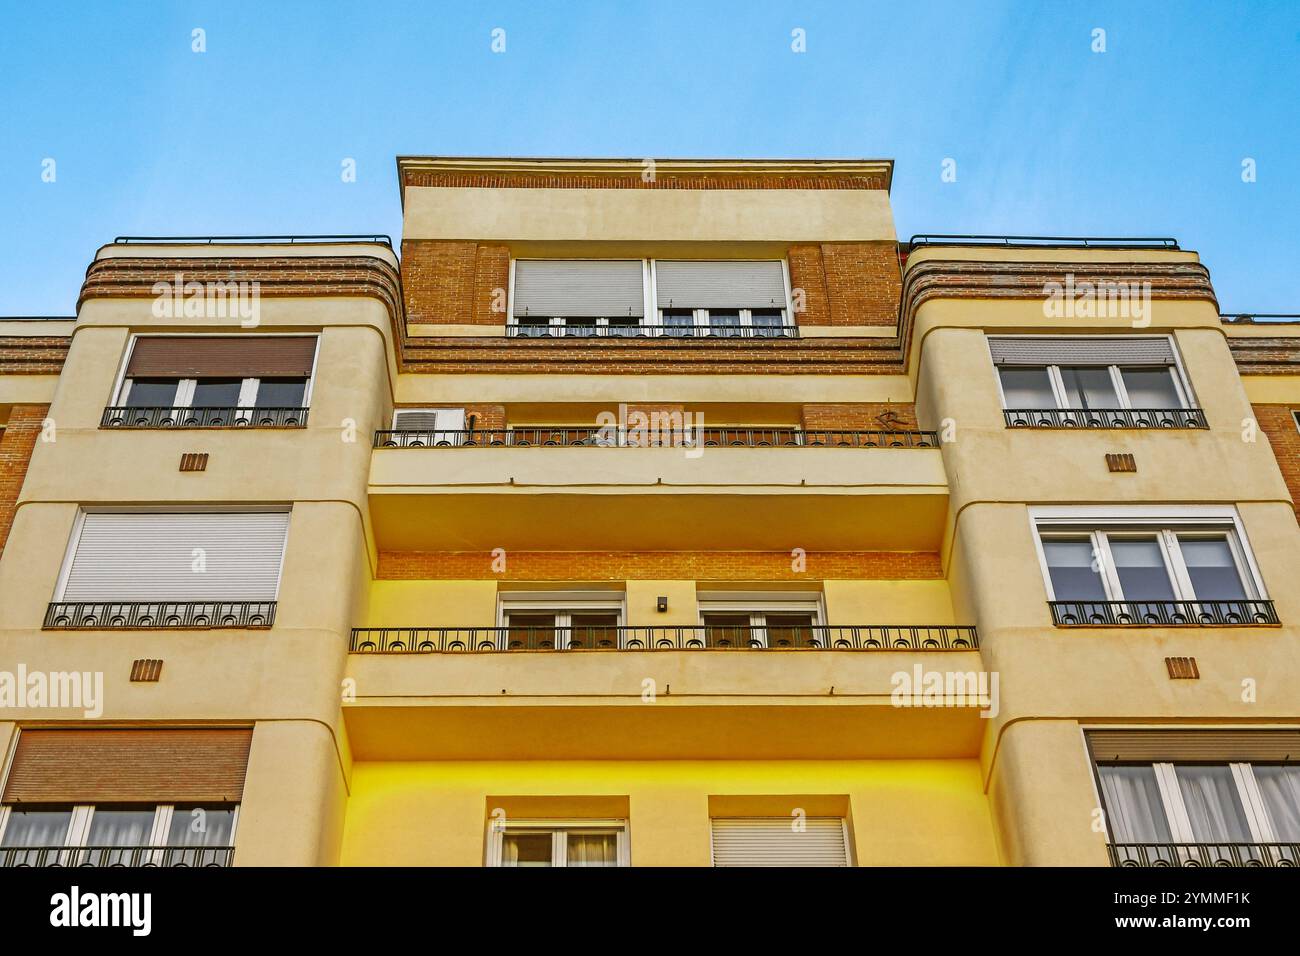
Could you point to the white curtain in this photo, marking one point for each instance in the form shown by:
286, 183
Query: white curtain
1133, 804
1280, 788
120, 827
592, 849
37, 828
1213, 805
201, 826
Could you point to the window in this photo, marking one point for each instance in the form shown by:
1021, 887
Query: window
1087, 388
1094, 373
558, 843
730, 622
217, 380
541, 622
118, 835
778, 841
1168, 802
626, 297
223, 566
1162, 566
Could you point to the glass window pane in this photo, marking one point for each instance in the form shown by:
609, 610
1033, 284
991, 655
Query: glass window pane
790, 630
766, 322
525, 848
1280, 788
530, 630
1089, 388
201, 826
280, 393
1211, 568
217, 393
1151, 388
591, 848
1213, 804
727, 629
1140, 565
1134, 810
678, 321
152, 393
37, 828
120, 827
594, 629
1074, 572
1027, 388
724, 322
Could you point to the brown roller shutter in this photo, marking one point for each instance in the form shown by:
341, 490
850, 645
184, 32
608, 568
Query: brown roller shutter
129, 766
1194, 745
221, 356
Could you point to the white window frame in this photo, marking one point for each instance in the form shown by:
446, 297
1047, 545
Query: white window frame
1258, 820
1166, 524
559, 830
563, 605
759, 609
1182, 385
1295, 418
185, 386
653, 315
83, 813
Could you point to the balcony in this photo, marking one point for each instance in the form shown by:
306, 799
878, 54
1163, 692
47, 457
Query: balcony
571, 331
156, 615
111, 856
1241, 613
1204, 854
1105, 418
462, 640
594, 436
748, 488
202, 417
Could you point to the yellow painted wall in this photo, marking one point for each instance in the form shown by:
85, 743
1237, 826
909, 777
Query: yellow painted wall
912, 813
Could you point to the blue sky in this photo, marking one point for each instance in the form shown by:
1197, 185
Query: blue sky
1049, 137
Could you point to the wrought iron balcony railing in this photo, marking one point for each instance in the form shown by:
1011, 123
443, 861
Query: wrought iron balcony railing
593, 331
436, 640
1163, 613
207, 416
1105, 418
141, 615
130, 856
595, 436
1204, 854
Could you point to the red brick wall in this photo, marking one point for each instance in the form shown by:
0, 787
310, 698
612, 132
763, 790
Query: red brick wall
486, 417
847, 283
659, 565
866, 416
16, 444
1277, 423
454, 283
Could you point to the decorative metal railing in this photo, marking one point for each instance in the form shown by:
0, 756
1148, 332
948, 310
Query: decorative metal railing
1163, 613
132, 856
207, 416
99, 615
595, 436
594, 331
1105, 418
436, 640
1204, 854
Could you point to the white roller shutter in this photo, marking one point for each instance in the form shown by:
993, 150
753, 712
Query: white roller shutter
151, 557
1045, 350
579, 288
772, 841
700, 284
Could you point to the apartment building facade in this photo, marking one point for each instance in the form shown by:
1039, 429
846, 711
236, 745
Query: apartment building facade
655, 514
